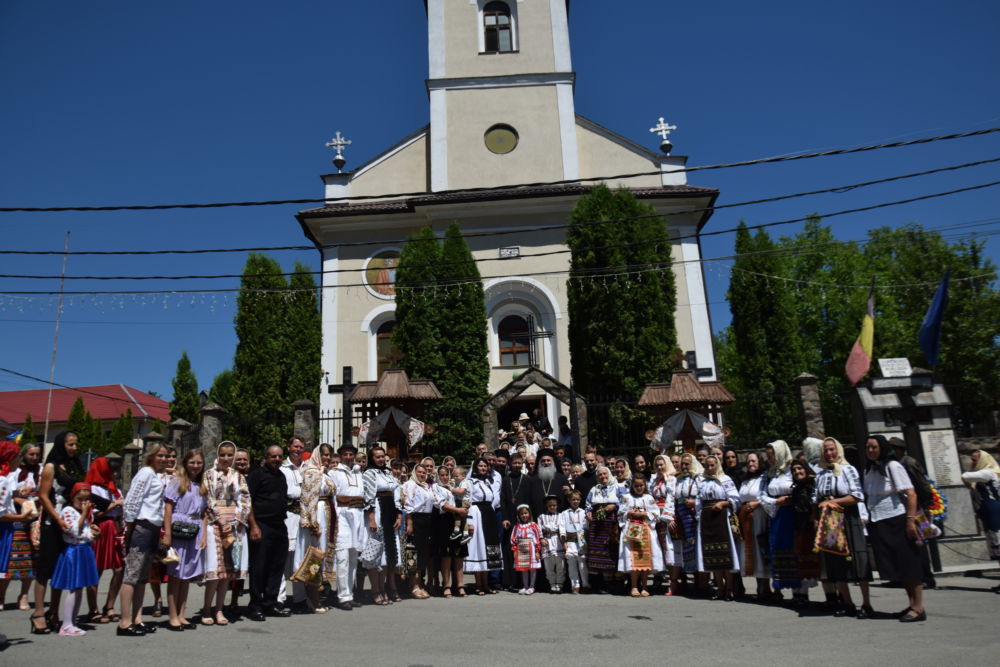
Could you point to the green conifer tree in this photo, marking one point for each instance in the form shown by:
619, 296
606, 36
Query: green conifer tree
121, 433
76, 422
28, 430
303, 339
418, 307
185, 404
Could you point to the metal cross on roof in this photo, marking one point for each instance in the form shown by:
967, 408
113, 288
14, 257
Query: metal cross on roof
339, 143
664, 129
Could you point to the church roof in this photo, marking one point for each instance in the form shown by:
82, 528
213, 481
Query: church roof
684, 388
394, 385
490, 194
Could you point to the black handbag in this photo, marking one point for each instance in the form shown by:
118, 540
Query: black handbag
183, 530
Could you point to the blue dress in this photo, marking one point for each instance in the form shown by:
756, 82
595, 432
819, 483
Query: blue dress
77, 566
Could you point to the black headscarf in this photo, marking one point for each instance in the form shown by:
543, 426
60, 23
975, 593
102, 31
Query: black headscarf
885, 454
802, 491
68, 469
475, 468
737, 473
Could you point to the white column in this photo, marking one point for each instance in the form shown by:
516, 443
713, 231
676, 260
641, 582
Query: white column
560, 36
567, 131
698, 299
328, 312
439, 141
435, 39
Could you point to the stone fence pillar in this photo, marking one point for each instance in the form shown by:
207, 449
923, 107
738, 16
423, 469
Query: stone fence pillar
210, 430
178, 429
305, 422
810, 407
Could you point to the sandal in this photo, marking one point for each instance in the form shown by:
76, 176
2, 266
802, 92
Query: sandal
113, 617
22, 603
461, 592
157, 609
206, 618
395, 597
480, 592
446, 592
220, 619
44, 630
635, 593
97, 617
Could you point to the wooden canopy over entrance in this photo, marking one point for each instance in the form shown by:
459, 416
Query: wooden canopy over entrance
534, 376
394, 389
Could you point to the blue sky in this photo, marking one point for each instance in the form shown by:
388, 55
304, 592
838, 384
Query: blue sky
124, 102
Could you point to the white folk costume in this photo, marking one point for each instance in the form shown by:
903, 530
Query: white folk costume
984, 480
753, 528
777, 483
685, 535
484, 548
382, 500
836, 480
639, 550
573, 534
526, 543
553, 550
293, 478
418, 508
228, 513
317, 513
663, 489
716, 544
352, 532
603, 528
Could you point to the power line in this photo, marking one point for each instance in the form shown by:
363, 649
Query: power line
727, 165
504, 259
837, 189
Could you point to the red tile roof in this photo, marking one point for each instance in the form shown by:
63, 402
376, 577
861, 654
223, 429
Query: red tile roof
106, 401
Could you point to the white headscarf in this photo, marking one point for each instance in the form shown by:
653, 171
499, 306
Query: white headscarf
782, 457
812, 448
838, 462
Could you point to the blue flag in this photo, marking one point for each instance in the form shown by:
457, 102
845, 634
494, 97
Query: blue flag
930, 330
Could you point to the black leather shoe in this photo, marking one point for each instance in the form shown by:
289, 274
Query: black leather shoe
175, 628
913, 616
131, 631
344, 606
189, 626
148, 629
846, 610
278, 612
865, 611
256, 615
354, 604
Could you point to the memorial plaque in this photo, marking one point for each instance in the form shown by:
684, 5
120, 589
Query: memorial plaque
896, 367
941, 456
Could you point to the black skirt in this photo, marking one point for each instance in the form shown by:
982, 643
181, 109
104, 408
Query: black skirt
859, 567
421, 537
442, 546
50, 545
388, 514
897, 557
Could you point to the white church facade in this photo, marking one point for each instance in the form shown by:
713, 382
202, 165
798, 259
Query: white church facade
502, 114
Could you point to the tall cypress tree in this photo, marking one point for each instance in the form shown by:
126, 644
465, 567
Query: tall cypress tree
303, 338
27, 430
258, 408
76, 422
121, 433
464, 379
418, 307
621, 295
185, 404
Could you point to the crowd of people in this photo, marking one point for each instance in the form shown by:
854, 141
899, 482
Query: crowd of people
304, 530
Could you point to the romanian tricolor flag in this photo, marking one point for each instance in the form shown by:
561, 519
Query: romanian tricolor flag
861, 354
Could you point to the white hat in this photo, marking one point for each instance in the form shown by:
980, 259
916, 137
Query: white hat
523, 417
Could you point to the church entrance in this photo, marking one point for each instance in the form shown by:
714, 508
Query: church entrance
510, 412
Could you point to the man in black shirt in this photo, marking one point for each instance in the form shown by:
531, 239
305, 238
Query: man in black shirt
268, 535
588, 480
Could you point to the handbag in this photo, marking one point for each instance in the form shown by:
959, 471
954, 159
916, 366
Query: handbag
372, 552
831, 536
734, 525
183, 530
409, 566
310, 570
926, 530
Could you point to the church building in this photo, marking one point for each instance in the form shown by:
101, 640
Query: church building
502, 113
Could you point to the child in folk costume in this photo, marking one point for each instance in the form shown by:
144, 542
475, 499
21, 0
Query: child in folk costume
662, 488
76, 568
639, 552
553, 551
526, 541
460, 488
572, 533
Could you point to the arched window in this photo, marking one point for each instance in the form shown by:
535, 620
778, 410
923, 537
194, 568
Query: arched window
388, 355
514, 340
497, 28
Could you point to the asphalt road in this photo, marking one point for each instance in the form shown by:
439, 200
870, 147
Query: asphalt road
556, 630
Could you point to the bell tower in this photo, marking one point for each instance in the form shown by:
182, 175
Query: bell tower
501, 93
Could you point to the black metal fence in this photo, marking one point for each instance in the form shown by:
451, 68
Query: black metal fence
331, 426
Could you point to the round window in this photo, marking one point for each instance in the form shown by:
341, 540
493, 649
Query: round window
501, 139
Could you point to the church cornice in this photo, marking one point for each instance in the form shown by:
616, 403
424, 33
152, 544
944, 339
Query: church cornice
502, 81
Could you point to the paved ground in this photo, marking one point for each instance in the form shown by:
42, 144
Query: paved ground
559, 630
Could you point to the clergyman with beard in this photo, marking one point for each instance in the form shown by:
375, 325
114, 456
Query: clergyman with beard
553, 482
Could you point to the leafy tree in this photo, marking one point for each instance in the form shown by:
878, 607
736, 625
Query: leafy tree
766, 352
621, 300
121, 433
417, 335
76, 422
464, 379
303, 338
158, 427
221, 391
185, 404
27, 430
258, 410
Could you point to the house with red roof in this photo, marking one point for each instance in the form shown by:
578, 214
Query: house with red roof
105, 403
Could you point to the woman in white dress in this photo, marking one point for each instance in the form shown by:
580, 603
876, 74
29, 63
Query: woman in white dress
384, 515
485, 553
685, 533
418, 506
717, 500
662, 488
639, 551
753, 527
316, 522
226, 544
